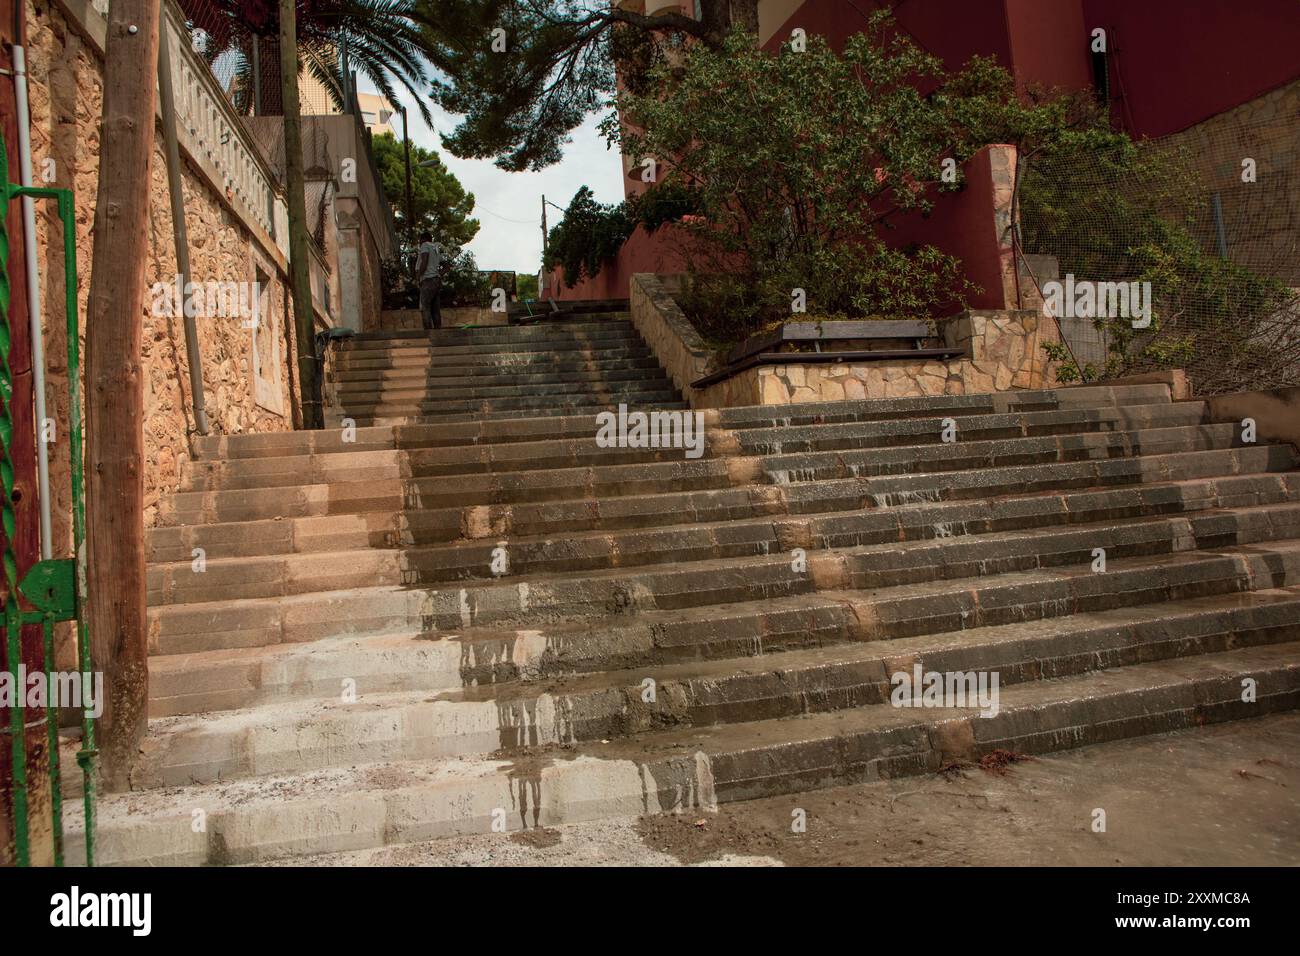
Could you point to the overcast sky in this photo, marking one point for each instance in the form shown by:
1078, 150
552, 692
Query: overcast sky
508, 206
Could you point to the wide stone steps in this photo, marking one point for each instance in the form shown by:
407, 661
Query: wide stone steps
484, 357
499, 398
437, 391
995, 439
308, 601
270, 444
507, 718
572, 465
353, 805
1232, 476
453, 559
368, 380
459, 608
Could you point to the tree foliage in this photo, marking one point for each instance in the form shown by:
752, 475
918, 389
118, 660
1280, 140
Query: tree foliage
1108, 209
587, 235
800, 161
386, 43
440, 203
523, 90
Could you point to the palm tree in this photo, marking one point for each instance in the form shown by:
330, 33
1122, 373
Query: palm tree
383, 40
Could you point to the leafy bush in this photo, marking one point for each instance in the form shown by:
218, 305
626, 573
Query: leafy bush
797, 164
1113, 210
589, 234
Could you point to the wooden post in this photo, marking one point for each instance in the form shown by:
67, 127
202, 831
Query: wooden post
299, 267
115, 384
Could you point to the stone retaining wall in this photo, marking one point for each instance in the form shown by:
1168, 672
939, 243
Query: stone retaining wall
1004, 350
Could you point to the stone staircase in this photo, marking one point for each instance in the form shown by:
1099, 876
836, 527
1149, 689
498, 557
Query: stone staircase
350, 668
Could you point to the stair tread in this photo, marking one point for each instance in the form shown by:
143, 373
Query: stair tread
714, 740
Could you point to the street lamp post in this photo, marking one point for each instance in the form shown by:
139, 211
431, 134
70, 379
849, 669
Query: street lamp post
410, 205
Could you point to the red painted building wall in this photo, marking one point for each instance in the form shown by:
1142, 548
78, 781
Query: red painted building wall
1175, 63
1172, 63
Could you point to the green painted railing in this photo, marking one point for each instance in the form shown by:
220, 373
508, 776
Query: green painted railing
55, 588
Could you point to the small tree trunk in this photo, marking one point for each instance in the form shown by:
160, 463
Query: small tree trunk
115, 384
299, 250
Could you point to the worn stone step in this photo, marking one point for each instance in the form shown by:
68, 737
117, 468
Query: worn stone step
878, 434
505, 336
919, 543
465, 452
451, 376
479, 412
648, 394
528, 525
482, 386
314, 734
938, 606
994, 403
416, 660
309, 598
371, 805
1056, 465
256, 445
937, 458
379, 494
483, 357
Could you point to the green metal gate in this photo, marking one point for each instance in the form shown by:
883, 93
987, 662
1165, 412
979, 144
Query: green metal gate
55, 589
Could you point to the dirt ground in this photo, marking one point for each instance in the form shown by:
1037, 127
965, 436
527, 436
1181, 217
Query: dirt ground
1216, 796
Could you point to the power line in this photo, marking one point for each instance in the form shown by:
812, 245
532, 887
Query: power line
522, 222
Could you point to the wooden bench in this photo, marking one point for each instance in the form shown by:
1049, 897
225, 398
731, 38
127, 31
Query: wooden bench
765, 348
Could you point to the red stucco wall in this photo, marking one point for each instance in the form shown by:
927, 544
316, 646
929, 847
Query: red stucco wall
1176, 63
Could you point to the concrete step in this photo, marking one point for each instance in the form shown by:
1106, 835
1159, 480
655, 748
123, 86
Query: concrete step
374, 804
502, 719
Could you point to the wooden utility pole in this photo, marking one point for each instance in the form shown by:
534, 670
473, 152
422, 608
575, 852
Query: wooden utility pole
299, 269
115, 384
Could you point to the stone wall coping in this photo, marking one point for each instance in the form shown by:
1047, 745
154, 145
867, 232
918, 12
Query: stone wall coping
93, 26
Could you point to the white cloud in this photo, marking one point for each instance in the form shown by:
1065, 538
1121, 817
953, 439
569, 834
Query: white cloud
509, 205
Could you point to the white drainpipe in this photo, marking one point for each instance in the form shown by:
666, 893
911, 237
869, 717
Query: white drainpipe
33, 296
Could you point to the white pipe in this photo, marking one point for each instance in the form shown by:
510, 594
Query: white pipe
33, 297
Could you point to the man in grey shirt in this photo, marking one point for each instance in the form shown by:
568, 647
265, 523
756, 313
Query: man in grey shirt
426, 270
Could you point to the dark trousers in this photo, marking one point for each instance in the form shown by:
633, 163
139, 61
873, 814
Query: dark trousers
430, 312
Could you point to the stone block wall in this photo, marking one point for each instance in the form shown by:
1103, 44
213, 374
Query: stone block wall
1003, 349
66, 80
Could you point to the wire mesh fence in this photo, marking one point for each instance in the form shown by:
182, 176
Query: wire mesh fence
1178, 253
